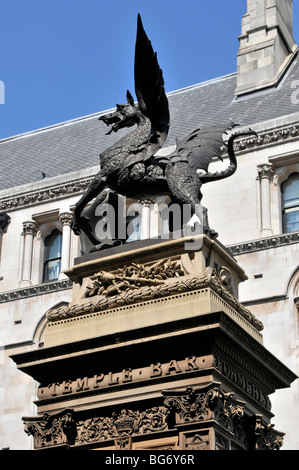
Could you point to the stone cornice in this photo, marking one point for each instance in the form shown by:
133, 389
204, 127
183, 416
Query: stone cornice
41, 196
264, 243
33, 291
268, 138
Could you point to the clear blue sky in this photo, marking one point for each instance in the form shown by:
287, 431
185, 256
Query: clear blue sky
64, 59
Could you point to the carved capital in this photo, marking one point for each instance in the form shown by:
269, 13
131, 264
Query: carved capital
265, 171
266, 437
29, 227
205, 403
66, 218
52, 430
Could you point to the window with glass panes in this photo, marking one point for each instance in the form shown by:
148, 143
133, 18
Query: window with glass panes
52, 256
290, 203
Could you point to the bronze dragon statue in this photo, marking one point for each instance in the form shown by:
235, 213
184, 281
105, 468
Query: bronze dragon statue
131, 167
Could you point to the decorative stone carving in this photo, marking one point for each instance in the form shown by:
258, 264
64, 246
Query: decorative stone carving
190, 406
133, 277
62, 429
196, 441
266, 437
33, 291
29, 227
66, 218
121, 426
208, 403
267, 138
264, 244
41, 196
158, 290
265, 171
205, 403
52, 430
224, 275
248, 382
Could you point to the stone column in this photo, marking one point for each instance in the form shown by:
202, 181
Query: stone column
29, 231
66, 220
265, 173
145, 220
155, 221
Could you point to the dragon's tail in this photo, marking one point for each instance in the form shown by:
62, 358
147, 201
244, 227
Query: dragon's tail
231, 169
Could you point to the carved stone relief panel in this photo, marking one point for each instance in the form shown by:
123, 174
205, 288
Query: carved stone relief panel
196, 440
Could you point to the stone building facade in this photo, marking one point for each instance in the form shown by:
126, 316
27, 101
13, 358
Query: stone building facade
255, 212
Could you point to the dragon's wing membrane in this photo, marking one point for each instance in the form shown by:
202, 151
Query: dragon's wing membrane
149, 86
201, 146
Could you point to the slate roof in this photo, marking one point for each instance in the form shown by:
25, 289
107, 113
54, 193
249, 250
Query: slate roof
76, 145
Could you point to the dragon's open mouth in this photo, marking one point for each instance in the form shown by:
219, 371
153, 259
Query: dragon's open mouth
114, 120
117, 120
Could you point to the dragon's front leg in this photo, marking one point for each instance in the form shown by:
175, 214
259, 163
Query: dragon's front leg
96, 186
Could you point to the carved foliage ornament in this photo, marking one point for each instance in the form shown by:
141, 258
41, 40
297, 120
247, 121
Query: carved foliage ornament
188, 406
265, 244
268, 138
62, 429
133, 277
42, 196
140, 283
52, 430
122, 425
204, 404
266, 437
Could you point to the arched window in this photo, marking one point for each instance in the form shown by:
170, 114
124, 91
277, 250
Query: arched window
52, 256
290, 203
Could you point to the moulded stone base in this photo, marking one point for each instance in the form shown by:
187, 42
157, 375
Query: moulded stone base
155, 352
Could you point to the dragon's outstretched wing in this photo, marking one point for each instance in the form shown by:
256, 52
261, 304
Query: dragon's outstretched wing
201, 146
149, 86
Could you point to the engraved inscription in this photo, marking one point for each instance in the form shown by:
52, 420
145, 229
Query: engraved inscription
128, 375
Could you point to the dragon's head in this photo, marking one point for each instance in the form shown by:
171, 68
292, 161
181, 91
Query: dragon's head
125, 115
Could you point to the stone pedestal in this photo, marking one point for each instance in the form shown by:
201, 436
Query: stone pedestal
155, 352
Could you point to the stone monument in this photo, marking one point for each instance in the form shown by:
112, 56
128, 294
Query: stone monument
154, 351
